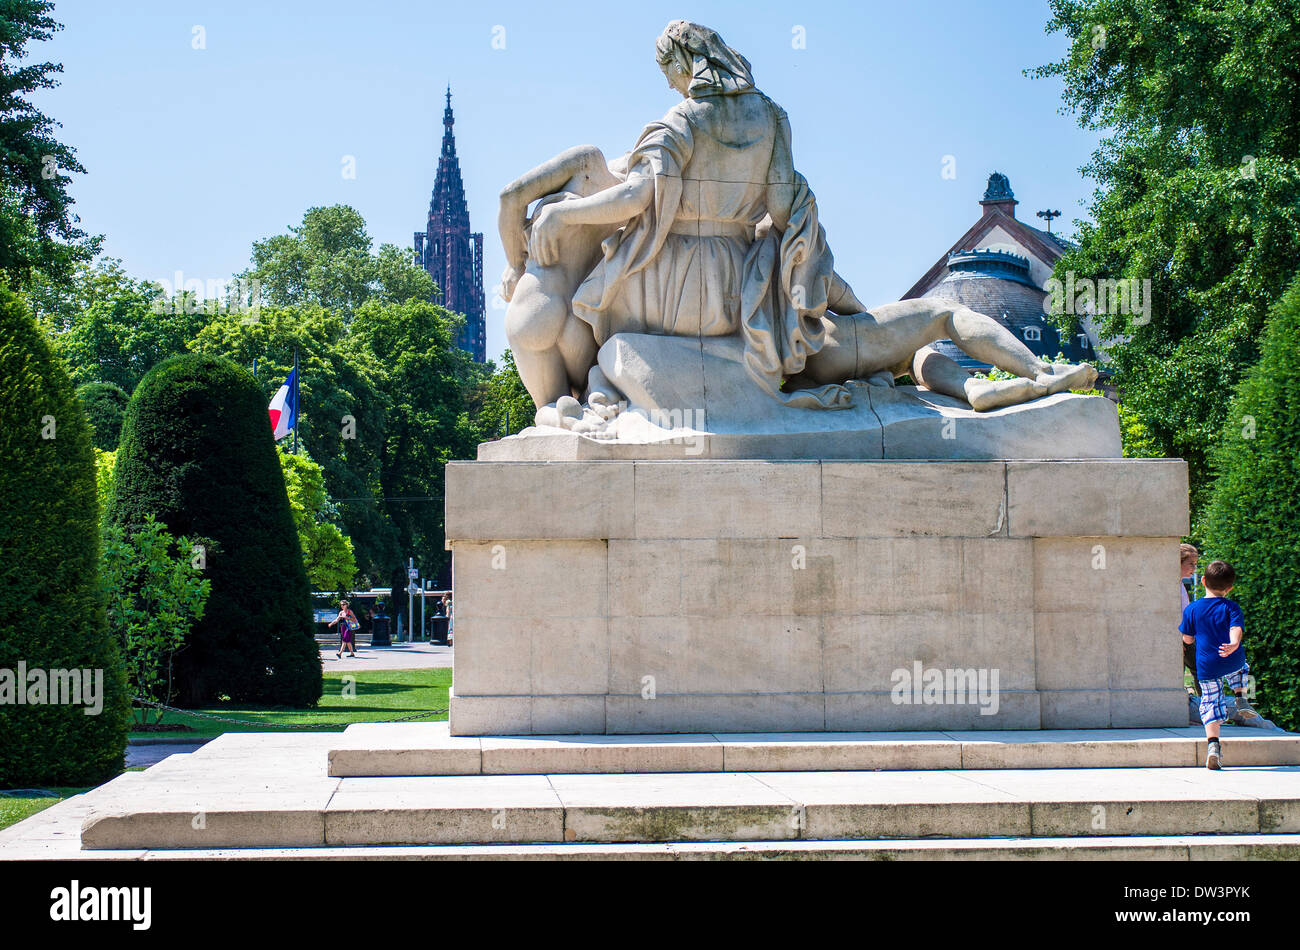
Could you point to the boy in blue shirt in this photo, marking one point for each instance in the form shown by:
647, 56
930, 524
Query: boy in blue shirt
1216, 625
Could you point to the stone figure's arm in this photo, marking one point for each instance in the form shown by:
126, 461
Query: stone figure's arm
581, 168
613, 205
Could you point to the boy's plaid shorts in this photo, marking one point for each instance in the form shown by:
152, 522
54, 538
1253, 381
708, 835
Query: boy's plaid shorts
1214, 699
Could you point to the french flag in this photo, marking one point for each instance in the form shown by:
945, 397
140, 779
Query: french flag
284, 407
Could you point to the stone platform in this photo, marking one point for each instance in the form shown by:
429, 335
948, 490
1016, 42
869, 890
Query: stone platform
811, 596
412, 749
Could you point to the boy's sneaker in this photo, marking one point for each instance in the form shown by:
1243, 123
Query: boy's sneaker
1246, 712
1214, 758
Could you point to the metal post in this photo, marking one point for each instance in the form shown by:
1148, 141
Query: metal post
297, 406
424, 599
410, 601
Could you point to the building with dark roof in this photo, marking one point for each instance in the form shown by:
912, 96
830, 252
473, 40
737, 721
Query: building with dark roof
450, 252
999, 267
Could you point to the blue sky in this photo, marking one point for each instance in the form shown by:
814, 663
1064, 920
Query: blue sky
193, 154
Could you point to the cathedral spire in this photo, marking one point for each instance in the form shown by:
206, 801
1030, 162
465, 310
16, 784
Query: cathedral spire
448, 250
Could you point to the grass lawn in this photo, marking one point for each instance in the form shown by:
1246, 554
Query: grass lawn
364, 696
14, 808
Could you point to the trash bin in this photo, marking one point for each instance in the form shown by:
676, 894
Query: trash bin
440, 630
380, 636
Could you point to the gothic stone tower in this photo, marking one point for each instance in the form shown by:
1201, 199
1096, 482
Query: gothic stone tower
449, 251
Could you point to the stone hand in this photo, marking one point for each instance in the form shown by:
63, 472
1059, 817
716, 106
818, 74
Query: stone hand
509, 278
544, 237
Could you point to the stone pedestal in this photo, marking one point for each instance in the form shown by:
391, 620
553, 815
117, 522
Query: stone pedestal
808, 596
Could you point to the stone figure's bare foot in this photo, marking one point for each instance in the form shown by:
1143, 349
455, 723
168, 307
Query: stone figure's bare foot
567, 413
561, 414
603, 405
986, 394
1066, 376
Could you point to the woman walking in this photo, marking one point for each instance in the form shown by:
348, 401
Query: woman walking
348, 625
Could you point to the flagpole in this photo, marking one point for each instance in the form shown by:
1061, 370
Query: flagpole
297, 406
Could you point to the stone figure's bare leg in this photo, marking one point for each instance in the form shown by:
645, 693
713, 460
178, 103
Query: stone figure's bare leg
941, 374
578, 349
890, 336
535, 320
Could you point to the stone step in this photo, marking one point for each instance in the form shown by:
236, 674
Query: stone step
310, 811
1135, 848
378, 749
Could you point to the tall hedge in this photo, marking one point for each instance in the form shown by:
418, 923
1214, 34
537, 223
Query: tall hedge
197, 452
1253, 519
51, 606
105, 405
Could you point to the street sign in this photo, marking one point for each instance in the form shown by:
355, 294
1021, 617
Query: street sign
413, 588
412, 572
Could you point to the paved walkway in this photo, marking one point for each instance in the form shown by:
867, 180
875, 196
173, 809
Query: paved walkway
400, 656
143, 755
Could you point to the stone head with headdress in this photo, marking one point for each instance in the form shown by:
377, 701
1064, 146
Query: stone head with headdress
701, 61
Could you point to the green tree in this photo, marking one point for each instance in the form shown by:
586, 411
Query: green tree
342, 415
1198, 191
500, 404
197, 453
112, 328
37, 229
327, 260
53, 618
154, 596
326, 552
1253, 518
425, 380
105, 407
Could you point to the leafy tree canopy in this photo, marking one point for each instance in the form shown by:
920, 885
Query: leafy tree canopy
1198, 191
37, 228
327, 260
326, 553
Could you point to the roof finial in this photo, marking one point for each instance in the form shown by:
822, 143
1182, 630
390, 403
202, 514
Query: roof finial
999, 188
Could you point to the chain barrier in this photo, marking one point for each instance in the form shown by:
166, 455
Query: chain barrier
277, 725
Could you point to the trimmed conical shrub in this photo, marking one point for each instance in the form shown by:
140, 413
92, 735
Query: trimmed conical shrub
57, 658
1253, 520
196, 451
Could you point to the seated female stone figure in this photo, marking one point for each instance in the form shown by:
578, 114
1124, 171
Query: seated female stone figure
706, 229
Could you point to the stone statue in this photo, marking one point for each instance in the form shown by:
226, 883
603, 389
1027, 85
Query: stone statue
706, 231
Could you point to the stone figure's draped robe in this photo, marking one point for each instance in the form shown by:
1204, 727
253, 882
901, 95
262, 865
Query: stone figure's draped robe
701, 260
